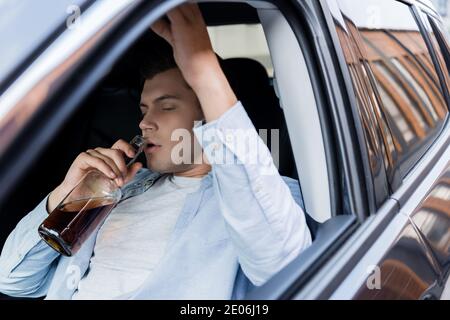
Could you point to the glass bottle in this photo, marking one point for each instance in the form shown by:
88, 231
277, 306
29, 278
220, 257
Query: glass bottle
84, 208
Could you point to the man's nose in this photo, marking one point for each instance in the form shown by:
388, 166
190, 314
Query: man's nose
147, 124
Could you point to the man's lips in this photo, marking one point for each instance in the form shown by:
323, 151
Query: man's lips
151, 147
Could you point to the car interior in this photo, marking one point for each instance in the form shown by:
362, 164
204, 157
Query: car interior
111, 112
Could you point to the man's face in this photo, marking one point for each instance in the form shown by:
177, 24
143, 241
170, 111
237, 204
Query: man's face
167, 104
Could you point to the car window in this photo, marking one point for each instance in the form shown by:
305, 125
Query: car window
260, 94
241, 40
406, 83
25, 25
440, 45
367, 105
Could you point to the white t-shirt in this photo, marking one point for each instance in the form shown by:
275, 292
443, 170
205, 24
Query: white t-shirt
133, 239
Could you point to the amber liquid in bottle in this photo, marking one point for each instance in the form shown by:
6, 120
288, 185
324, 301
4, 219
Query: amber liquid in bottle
69, 225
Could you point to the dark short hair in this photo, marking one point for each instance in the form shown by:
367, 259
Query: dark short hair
156, 58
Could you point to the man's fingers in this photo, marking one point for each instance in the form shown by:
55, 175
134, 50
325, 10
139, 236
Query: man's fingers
89, 161
110, 162
162, 28
176, 16
125, 147
117, 156
197, 14
187, 10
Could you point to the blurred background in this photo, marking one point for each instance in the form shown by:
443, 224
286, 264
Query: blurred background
443, 7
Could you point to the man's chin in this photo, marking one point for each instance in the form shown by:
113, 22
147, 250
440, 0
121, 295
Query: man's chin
160, 168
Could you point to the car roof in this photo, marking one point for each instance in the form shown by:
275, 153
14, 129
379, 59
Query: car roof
427, 3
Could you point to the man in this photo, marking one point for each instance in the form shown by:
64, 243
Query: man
213, 223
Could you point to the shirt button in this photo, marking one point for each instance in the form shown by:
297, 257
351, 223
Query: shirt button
229, 137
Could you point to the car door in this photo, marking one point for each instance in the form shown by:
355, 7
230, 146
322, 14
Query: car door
52, 87
43, 78
410, 94
388, 78
343, 262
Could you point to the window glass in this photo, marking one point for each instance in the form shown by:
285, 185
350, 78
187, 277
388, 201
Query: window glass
405, 80
25, 25
241, 40
368, 108
440, 44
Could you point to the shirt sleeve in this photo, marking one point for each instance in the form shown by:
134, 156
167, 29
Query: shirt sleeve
26, 261
266, 225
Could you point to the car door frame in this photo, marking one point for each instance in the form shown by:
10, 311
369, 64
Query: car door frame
84, 73
337, 261
317, 272
384, 227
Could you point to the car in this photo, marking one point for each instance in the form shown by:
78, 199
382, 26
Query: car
355, 96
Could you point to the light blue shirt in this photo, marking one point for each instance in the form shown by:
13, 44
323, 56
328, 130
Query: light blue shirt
241, 227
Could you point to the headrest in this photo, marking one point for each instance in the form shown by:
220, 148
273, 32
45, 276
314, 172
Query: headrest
251, 83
